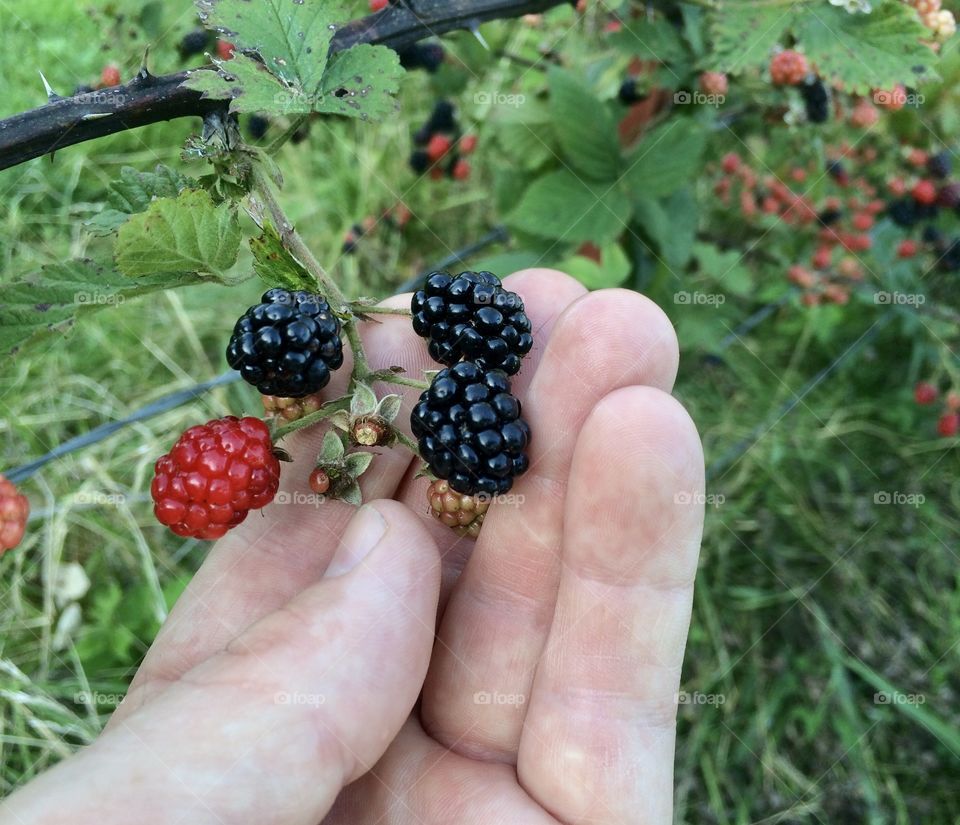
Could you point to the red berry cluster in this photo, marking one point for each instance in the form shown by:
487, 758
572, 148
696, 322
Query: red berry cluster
214, 475
788, 68
441, 147
14, 509
926, 393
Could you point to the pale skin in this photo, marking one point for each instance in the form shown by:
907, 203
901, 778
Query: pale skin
341, 666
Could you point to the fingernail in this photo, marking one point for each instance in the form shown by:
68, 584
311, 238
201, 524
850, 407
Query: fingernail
362, 535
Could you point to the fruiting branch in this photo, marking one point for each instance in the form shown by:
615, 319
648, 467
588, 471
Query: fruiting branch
66, 121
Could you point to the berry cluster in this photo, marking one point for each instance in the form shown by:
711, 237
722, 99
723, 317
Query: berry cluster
469, 430
940, 21
462, 513
441, 147
472, 316
467, 423
288, 344
14, 509
926, 393
214, 475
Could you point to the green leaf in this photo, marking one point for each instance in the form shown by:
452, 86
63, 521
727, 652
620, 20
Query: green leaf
876, 50
361, 82
187, 234
48, 302
563, 207
357, 463
585, 129
364, 401
671, 224
332, 448
251, 87
666, 159
744, 33
275, 265
724, 267
292, 37
352, 495
650, 40
134, 192
389, 406
611, 271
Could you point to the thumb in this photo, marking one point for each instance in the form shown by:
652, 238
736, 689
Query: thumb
272, 728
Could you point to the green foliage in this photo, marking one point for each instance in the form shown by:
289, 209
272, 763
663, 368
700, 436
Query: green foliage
297, 75
188, 234
275, 265
133, 193
585, 129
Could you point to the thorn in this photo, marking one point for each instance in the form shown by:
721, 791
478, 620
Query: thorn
51, 94
143, 76
96, 116
475, 31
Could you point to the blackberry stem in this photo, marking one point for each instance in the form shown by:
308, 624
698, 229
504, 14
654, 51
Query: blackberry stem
365, 309
327, 410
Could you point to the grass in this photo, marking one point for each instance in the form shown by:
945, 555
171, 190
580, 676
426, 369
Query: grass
814, 600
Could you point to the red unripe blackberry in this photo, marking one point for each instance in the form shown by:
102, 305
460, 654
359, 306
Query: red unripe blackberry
730, 162
469, 430
14, 509
925, 393
214, 475
462, 513
225, 49
907, 248
468, 143
925, 192
110, 76
948, 424
378, 5
460, 170
437, 147
472, 316
319, 482
788, 68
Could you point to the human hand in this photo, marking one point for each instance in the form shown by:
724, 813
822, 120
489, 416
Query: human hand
299, 678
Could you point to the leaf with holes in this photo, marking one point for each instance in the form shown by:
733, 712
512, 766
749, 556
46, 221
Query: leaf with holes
745, 32
361, 82
134, 192
187, 234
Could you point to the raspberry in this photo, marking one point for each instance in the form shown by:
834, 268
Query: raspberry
14, 509
948, 424
925, 393
469, 429
788, 68
194, 42
214, 475
287, 345
939, 165
472, 316
110, 76
463, 513
924, 192
291, 409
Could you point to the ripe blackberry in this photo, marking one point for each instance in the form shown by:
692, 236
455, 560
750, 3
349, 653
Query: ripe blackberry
194, 42
816, 99
214, 475
903, 212
472, 316
939, 165
419, 161
443, 118
629, 94
426, 56
287, 345
257, 126
469, 430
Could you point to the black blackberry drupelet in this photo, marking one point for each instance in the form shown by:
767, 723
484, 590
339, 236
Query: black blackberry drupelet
194, 42
287, 345
472, 316
469, 430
